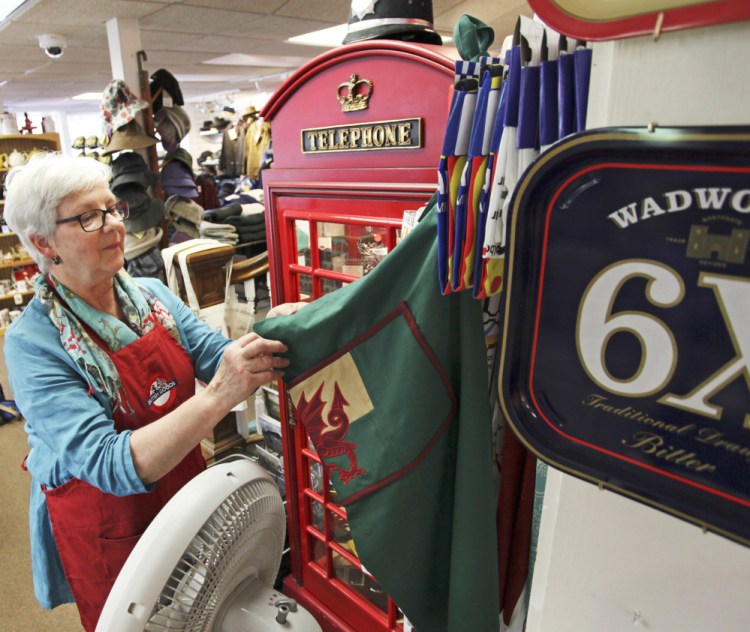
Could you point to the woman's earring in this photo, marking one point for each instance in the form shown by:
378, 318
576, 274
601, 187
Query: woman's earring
56, 260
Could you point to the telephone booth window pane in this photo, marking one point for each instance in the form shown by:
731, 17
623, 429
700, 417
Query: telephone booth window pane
375, 593
318, 552
340, 533
316, 477
304, 286
302, 237
328, 285
332, 495
317, 515
371, 247
348, 572
359, 581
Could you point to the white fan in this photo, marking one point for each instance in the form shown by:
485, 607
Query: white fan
208, 561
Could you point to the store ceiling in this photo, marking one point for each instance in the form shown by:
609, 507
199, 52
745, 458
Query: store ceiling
181, 35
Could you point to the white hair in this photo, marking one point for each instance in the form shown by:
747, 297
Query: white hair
34, 191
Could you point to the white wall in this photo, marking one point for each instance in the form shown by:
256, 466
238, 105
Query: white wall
606, 563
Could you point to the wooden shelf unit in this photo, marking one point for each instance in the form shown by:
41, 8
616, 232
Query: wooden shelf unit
25, 143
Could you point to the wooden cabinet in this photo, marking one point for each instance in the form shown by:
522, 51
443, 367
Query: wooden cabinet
9, 297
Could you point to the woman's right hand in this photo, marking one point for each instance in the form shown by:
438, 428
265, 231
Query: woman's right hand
248, 363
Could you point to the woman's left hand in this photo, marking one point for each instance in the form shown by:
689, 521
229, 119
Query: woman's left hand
247, 363
285, 309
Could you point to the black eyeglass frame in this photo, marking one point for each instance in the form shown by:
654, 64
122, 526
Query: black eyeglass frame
121, 208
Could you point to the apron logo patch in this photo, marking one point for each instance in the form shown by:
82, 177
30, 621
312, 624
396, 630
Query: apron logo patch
328, 435
162, 393
327, 403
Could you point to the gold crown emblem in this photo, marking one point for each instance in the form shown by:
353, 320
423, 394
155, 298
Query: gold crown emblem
354, 94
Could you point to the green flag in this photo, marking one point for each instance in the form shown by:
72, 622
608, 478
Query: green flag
390, 379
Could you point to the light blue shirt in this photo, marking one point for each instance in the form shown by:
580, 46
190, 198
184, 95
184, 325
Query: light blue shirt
71, 433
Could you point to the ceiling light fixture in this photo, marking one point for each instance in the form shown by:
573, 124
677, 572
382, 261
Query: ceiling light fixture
7, 7
262, 61
88, 96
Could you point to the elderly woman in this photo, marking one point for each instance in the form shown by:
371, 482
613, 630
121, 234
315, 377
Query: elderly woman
103, 368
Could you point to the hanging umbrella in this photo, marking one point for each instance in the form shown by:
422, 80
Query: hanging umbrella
548, 80
473, 176
452, 162
581, 79
527, 140
504, 179
482, 286
473, 38
565, 95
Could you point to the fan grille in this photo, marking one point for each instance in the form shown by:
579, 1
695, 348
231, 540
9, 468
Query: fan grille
242, 538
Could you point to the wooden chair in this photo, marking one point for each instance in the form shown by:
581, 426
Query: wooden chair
207, 270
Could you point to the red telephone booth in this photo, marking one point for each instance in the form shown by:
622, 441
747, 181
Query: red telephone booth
357, 135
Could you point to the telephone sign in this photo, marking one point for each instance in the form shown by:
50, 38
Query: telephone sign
626, 350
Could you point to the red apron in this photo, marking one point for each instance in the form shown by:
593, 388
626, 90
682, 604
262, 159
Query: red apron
94, 531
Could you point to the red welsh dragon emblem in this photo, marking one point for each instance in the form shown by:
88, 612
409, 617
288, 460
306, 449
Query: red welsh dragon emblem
328, 438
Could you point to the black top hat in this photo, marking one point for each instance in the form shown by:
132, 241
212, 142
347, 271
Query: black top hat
168, 83
392, 19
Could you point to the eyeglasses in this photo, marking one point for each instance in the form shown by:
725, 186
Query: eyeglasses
94, 219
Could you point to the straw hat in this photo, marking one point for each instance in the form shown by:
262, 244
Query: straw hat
130, 136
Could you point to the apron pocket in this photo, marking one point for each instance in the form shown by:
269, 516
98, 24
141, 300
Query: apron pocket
375, 409
116, 551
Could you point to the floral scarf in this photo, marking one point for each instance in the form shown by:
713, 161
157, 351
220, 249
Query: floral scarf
69, 312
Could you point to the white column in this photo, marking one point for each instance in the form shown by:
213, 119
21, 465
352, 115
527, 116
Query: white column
605, 562
124, 37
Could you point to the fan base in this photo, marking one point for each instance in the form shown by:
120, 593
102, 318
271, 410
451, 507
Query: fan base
254, 606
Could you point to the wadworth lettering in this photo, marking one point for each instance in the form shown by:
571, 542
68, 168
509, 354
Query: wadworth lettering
699, 199
380, 135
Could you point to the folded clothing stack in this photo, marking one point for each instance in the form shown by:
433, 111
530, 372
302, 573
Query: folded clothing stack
250, 228
224, 233
185, 214
220, 215
247, 219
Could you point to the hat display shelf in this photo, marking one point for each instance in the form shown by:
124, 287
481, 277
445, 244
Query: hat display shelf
139, 132
16, 266
91, 146
212, 130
